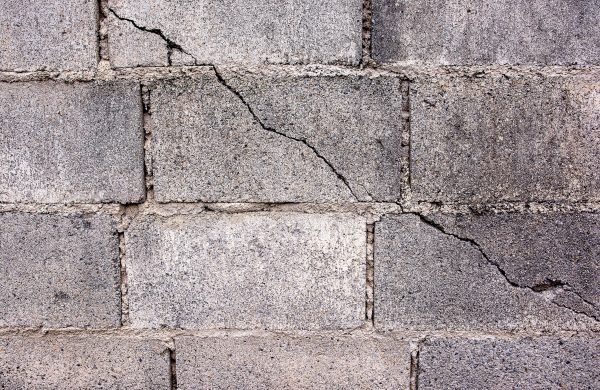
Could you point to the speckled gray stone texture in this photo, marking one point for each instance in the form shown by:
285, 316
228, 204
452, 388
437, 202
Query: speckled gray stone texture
292, 363
524, 363
473, 32
71, 143
251, 271
59, 270
505, 138
48, 35
83, 362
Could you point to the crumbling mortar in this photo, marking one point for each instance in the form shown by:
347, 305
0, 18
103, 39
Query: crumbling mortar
173, 366
414, 365
370, 262
405, 144
102, 29
128, 213
367, 24
148, 159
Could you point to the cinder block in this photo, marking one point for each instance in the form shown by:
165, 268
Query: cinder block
292, 363
316, 139
71, 143
542, 363
83, 362
47, 35
473, 32
270, 31
257, 270
501, 138
428, 279
59, 271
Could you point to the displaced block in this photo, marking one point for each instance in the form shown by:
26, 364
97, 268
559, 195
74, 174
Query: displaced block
44, 35
306, 139
257, 270
542, 363
292, 363
473, 32
59, 271
501, 138
63, 143
83, 362
428, 279
271, 31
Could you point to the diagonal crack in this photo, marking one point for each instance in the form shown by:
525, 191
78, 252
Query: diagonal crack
538, 289
270, 129
171, 45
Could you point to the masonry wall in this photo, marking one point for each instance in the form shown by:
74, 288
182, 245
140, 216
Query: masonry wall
300, 194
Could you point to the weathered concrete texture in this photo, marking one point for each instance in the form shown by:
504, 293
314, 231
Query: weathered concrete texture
59, 271
292, 363
270, 31
502, 138
558, 254
77, 362
279, 271
543, 363
468, 32
430, 280
298, 139
38, 35
79, 142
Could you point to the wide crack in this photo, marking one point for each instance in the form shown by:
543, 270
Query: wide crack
549, 284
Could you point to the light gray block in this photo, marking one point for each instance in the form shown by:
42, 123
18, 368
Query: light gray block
71, 143
44, 35
83, 362
59, 271
469, 32
542, 363
257, 270
270, 31
428, 280
292, 363
207, 145
499, 138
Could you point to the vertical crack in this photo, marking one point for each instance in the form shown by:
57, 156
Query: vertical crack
173, 367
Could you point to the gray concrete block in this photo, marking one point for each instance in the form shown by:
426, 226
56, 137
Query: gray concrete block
542, 363
428, 279
59, 271
468, 32
257, 270
83, 362
292, 363
500, 138
317, 139
271, 31
38, 35
64, 143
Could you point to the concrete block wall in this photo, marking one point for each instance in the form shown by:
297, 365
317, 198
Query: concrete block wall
296, 194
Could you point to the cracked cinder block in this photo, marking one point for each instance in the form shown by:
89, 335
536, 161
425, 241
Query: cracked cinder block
473, 32
523, 363
71, 143
428, 279
59, 270
250, 271
277, 138
271, 31
54, 36
83, 362
505, 138
292, 363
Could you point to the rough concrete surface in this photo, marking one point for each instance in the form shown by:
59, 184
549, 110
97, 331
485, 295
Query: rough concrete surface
292, 363
274, 139
71, 143
502, 138
89, 362
251, 271
59, 271
471, 32
525, 363
44, 35
270, 31
428, 280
